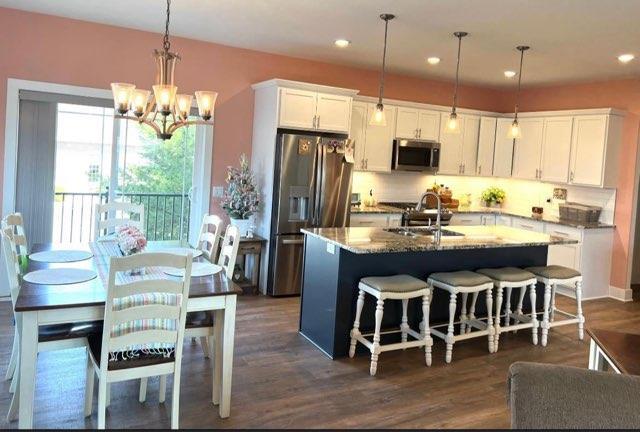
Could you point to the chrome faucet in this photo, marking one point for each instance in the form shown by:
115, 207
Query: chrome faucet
437, 234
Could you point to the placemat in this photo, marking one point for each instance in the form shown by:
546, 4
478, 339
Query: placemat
178, 251
59, 276
60, 256
197, 269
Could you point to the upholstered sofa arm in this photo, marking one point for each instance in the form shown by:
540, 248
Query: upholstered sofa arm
545, 396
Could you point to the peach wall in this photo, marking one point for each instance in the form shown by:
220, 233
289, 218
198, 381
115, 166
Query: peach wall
65, 51
621, 94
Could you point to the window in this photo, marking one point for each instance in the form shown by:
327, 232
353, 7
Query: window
93, 173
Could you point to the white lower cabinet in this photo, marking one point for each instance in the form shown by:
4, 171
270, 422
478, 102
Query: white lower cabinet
526, 224
377, 220
488, 219
503, 220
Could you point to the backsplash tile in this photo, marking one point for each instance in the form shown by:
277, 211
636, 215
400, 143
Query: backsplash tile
521, 194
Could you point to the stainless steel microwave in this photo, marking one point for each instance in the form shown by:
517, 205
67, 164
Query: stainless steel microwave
415, 155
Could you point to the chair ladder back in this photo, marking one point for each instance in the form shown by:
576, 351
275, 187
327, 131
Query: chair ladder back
10, 256
210, 236
116, 214
229, 250
145, 312
15, 221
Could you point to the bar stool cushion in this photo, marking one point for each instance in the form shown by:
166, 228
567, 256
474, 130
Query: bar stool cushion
507, 274
397, 283
554, 272
463, 278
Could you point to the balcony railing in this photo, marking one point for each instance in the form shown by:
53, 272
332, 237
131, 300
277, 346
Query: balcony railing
166, 214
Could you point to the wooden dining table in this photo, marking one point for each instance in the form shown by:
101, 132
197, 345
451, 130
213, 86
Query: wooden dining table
82, 302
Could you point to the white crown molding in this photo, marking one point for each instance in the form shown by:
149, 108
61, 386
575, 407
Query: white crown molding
277, 82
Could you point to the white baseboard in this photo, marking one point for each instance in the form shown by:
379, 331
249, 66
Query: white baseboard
621, 294
567, 292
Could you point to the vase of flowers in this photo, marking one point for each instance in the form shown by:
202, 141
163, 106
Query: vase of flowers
131, 241
241, 199
493, 196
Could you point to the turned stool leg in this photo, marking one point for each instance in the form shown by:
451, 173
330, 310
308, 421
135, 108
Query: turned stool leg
553, 303
545, 314
356, 324
463, 314
449, 339
375, 349
472, 310
507, 307
426, 332
490, 328
579, 306
404, 326
523, 292
497, 318
534, 319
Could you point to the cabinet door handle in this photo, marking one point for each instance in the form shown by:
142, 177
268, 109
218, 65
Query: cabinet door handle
318, 123
366, 163
464, 168
415, 134
420, 133
561, 233
526, 226
540, 175
479, 169
571, 176
314, 122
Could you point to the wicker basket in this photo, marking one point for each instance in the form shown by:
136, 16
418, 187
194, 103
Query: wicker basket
580, 212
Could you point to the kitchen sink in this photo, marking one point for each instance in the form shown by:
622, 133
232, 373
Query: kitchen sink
421, 231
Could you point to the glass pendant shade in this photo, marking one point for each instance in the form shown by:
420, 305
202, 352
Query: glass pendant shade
453, 124
206, 102
122, 96
378, 118
139, 99
184, 105
165, 98
514, 130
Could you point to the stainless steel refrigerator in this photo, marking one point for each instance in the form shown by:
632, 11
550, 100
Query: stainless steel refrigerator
312, 188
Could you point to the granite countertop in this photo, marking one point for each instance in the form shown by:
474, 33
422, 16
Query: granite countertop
386, 209
363, 240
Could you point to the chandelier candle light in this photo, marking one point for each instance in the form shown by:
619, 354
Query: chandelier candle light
378, 118
173, 108
453, 123
514, 131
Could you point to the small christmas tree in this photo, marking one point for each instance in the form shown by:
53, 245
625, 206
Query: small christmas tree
240, 199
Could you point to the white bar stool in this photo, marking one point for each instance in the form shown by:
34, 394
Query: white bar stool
551, 276
464, 282
509, 278
398, 287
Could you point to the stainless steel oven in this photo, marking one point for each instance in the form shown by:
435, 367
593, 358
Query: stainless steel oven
415, 155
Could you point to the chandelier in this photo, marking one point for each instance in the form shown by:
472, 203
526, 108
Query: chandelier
167, 110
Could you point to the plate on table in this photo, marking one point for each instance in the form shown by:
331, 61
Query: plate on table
197, 269
178, 251
60, 256
59, 276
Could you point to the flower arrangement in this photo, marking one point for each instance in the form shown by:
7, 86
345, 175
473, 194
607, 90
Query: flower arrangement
493, 195
240, 199
130, 239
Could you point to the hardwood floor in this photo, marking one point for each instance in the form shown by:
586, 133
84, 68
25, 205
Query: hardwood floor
282, 381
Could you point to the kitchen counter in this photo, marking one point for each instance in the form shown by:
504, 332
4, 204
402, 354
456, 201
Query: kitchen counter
335, 259
363, 240
386, 209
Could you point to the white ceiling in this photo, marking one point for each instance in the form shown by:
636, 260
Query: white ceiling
571, 40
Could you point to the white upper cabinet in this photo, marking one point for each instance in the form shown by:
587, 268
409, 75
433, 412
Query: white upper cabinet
297, 109
379, 140
312, 110
486, 146
595, 147
470, 133
373, 144
556, 149
357, 133
459, 151
417, 124
333, 112
528, 149
503, 154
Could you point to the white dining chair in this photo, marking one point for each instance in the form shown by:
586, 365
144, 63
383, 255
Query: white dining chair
110, 215
50, 337
143, 329
202, 324
210, 236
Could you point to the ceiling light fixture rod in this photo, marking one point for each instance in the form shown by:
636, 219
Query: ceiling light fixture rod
386, 18
459, 35
522, 49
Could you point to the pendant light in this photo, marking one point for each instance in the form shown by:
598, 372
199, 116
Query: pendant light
378, 118
514, 130
453, 123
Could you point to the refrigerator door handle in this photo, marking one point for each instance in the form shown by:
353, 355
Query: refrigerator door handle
292, 242
319, 184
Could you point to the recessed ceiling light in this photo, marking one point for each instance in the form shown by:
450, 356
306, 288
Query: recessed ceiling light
342, 43
626, 58
433, 60
509, 74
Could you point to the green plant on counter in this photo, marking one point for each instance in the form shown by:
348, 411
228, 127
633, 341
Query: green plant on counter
493, 195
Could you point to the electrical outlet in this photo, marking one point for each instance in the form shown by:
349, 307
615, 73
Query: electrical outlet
217, 191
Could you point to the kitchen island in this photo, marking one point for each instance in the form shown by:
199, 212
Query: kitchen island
335, 259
